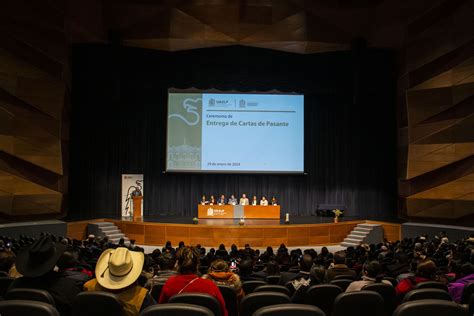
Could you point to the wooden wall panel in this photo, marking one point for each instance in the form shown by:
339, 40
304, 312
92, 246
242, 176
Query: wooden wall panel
256, 236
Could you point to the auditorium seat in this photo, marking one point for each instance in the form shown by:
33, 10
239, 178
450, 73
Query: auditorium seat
431, 285
387, 291
428, 293
471, 305
344, 277
391, 280
359, 303
250, 286
96, 304
342, 283
254, 301
176, 309
156, 291
467, 293
273, 279
431, 308
273, 288
322, 296
201, 299
230, 298
31, 295
5, 284
290, 309
26, 307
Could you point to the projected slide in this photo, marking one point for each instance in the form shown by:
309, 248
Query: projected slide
210, 132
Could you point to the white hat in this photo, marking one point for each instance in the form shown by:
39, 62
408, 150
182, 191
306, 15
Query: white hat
118, 268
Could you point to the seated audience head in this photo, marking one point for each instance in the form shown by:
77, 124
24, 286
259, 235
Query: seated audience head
339, 257
187, 259
219, 265
166, 261
40, 258
372, 269
426, 269
246, 267
306, 262
317, 274
119, 268
272, 268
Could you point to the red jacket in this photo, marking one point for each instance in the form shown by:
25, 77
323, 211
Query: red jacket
177, 283
408, 284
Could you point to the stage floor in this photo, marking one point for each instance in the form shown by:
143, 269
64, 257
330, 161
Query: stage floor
235, 222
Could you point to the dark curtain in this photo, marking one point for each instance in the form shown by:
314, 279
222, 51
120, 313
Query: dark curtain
119, 126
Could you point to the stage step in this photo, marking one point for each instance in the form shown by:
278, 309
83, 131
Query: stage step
364, 233
107, 229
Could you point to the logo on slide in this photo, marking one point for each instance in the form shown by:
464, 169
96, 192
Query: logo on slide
190, 105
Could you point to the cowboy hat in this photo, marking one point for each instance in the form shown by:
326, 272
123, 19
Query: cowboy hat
39, 258
118, 268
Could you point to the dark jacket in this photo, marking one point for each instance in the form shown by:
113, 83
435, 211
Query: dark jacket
62, 289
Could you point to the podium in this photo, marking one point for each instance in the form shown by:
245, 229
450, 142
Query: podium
137, 208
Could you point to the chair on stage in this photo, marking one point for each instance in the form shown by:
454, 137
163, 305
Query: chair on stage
174, 309
290, 309
201, 299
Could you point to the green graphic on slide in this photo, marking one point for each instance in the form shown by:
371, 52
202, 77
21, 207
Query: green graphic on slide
184, 131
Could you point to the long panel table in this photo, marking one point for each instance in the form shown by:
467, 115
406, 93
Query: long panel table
238, 211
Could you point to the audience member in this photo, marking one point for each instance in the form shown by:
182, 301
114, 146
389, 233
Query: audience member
339, 267
425, 272
371, 274
36, 263
220, 274
466, 276
117, 271
188, 281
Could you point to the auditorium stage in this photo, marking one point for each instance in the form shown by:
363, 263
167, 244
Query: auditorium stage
302, 231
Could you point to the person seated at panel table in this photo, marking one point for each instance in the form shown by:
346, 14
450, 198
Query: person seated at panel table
203, 200
274, 200
244, 200
212, 200
221, 200
254, 200
264, 201
232, 200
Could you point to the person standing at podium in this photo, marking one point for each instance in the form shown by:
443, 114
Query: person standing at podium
232, 200
221, 200
254, 200
244, 200
264, 201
